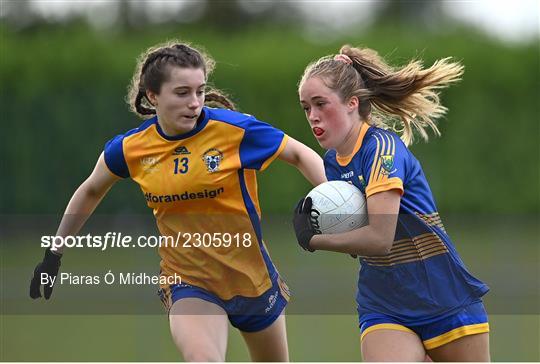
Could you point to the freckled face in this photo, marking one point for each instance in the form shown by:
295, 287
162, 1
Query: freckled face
329, 117
180, 100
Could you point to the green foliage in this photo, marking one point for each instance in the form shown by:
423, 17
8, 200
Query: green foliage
63, 90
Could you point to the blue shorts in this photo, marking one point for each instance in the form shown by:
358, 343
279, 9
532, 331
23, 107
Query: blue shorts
248, 314
469, 320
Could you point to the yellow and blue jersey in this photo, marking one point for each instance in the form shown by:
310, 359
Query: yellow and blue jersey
423, 276
204, 182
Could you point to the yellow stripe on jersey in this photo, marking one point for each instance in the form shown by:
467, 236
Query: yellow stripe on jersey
375, 166
432, 219
410, 250
394, 183
378, 179
387, 150
284, 289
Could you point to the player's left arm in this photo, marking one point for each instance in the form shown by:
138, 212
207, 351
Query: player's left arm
371, 240
308, 162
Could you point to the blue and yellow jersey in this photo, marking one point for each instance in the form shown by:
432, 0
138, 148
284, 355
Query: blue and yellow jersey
204, 182
423, 276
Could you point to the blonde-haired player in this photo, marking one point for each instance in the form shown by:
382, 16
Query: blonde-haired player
414, 293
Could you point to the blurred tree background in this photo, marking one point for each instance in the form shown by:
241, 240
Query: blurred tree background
63, 83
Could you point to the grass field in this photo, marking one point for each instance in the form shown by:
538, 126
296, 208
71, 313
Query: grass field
147, 338
322, 324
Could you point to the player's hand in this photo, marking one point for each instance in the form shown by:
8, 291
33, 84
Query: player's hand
49, 266
302, 223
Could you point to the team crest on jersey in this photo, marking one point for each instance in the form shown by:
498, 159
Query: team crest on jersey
149, 164
212, 158
387, 162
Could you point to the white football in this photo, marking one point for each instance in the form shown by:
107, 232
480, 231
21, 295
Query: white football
338, 206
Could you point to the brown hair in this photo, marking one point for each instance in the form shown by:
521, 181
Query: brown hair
404, 99
153, 69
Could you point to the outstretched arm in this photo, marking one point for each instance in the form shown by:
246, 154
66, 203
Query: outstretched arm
85, 199
80, 207
305, 159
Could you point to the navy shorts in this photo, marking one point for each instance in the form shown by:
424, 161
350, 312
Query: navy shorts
248, 314
470, 320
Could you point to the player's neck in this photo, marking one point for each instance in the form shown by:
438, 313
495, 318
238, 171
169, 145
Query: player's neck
171, 130
347, 147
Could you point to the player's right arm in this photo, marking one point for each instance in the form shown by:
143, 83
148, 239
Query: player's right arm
85, 199
82, 204
384, 163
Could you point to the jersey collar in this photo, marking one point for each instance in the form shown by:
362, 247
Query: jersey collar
201, 123
344, 160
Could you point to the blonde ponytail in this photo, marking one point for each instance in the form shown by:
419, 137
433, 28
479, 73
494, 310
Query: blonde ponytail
403, 99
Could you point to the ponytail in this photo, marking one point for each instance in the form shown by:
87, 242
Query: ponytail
139, 108
216, 98
403, 99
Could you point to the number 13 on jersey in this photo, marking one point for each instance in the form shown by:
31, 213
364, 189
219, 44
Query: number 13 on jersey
181, 165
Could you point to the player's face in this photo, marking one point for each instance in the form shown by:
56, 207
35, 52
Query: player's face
180, 100
330, 118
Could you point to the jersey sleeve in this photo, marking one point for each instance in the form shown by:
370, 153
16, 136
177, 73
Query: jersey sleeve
261, 144
114, 156
384, 163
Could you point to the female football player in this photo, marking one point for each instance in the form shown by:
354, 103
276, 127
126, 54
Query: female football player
415, 295
196, 166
